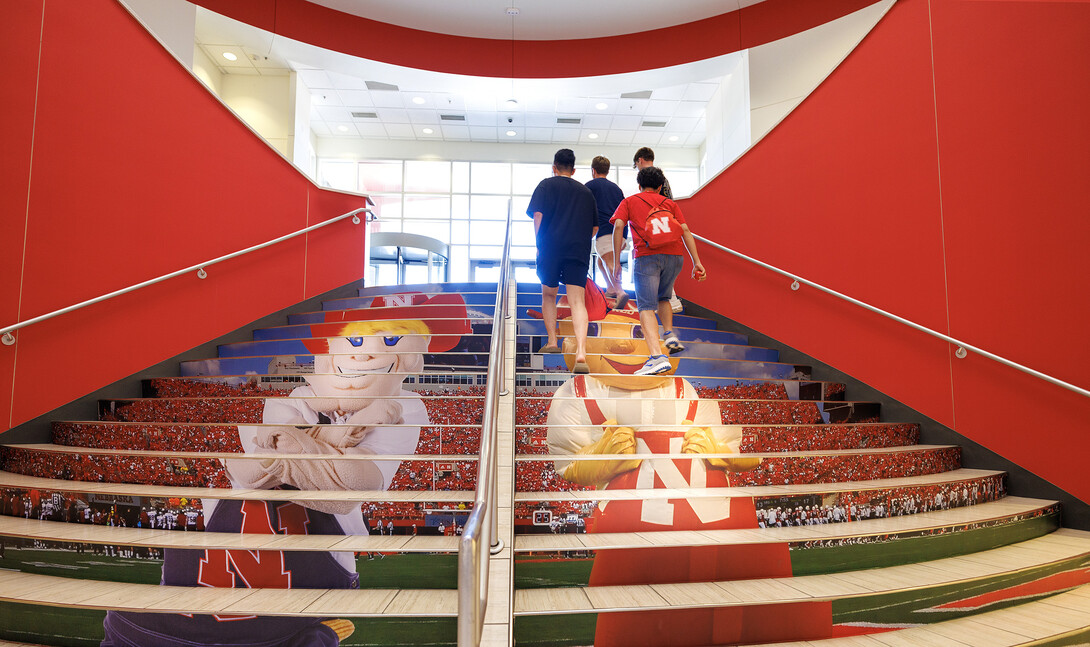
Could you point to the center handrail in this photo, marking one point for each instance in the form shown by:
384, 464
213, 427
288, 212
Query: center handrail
8, 339
479, 532
963, 348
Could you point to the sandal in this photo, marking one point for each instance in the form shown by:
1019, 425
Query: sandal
550, 349
580, 368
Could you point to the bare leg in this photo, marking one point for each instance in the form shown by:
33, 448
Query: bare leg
548, 312
651, 329
579, 320
666, 313
605, 262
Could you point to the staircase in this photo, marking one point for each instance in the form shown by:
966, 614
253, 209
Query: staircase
810, 520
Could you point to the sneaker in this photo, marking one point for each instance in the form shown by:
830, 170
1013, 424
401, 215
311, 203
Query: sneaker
654, 365
672, 343
675, 303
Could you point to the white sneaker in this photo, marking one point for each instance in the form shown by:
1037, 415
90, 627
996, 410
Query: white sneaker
675, 303
654, 365
673, 344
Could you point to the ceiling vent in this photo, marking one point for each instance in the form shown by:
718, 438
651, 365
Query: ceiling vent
653, 124
375, 85
365, 115
643, 94
452, 117
569, 120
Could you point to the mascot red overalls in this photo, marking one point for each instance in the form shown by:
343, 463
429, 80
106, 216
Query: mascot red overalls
613, 411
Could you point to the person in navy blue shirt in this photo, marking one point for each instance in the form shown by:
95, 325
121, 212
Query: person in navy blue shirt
607, 196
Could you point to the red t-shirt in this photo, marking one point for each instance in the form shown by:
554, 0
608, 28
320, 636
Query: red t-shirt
634, 210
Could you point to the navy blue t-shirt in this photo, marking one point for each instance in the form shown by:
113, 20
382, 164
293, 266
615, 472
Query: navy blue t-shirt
568, 216
607, 196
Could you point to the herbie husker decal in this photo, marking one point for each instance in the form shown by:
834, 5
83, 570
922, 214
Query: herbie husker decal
348, 406
613, 411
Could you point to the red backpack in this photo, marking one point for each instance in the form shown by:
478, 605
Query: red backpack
661, 227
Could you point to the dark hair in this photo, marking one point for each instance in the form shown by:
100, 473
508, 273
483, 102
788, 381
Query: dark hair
644, 153
564, 159
600, 165
651, 177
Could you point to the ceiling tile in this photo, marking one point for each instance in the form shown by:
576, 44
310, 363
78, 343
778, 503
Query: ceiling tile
539, 104
479, 118
632, 107
690, 109
423, 116
343, 129
387, 99
400, 131
601, 122
657, 108
371, 129
434, 134
315, 79
448, 102
324, 98
626, 123
481, 103
333, 113
675, 92
540, 119
571, 104
682, 124
620, 136
393, 115
539, 134
565, 135
483, 133
358, 98
321, 129
345, 82
455, 132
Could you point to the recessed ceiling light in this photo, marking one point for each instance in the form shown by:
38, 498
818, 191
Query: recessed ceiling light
419, 100
342, 128
427, 131
230, 56
674, 138
592, 136
511, 133
511, 104
601, 106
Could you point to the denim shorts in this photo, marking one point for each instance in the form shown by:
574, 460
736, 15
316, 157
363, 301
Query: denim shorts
654, 275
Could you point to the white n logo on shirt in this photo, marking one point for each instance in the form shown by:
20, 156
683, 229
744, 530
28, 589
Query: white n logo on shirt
398, 300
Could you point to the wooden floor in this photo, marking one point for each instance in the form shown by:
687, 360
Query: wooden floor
1062, 615
1056, 547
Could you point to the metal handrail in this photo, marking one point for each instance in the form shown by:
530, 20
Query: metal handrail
8, 339
479, 534
960, 353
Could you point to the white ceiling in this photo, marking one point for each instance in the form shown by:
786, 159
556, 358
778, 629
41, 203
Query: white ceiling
339, 87
536, 19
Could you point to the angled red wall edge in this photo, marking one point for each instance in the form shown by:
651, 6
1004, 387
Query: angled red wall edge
940, 174
120, 167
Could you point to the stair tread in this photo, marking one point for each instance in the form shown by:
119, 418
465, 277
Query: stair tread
9, 479
962, 474
92, 594
997, 561
1024, 624
1005, 507
161, 538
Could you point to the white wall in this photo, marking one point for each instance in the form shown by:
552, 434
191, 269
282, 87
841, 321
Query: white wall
727, 119
265, 104
784, 72
301, 146
207, 71
173, 23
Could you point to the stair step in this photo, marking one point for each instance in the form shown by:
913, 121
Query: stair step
1063, 549
733, 412
780, 438
1004, 508
466, 410
152, 598
12, 480
829, 466
61, 531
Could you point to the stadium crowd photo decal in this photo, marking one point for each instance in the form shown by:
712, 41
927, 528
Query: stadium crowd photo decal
353, 403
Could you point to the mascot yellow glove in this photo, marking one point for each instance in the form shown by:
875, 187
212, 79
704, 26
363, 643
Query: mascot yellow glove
614, 440
701, 440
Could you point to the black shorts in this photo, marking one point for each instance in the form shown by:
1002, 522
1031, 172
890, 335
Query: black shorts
553, 270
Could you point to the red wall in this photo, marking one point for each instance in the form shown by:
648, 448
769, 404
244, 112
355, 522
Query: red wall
120, 167
939, 173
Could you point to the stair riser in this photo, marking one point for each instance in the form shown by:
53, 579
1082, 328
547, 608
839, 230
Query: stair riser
461, 411
426, 475
530, 411
755, 439
479, 313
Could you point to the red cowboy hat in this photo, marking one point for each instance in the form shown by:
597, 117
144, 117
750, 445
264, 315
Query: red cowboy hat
443, 314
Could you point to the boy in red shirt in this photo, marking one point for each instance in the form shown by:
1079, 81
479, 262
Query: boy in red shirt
654, 270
